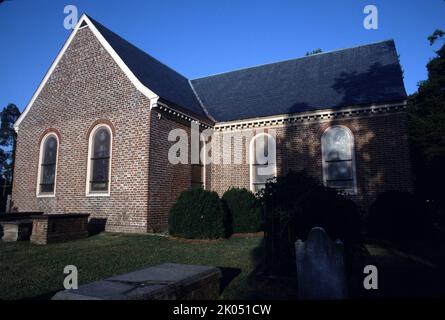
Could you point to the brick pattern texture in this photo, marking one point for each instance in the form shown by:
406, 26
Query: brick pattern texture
87, 86
381, 150
54, 228
166, 181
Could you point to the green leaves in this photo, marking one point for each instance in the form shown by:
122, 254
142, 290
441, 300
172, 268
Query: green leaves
426, 109
244, 210
8, 117
316, 51
198, 214
436, 35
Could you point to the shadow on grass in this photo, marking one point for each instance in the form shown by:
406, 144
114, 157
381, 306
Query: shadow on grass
228, 274
404, 271
261, 285
96, 226
414, 271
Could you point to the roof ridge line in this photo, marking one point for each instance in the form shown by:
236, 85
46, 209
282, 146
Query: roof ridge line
292, 59
200, 102
185, 96
132, 44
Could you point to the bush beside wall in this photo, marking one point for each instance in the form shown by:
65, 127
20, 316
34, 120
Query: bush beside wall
198, 214
244, 210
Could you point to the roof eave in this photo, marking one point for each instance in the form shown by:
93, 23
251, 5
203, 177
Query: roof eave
191, 114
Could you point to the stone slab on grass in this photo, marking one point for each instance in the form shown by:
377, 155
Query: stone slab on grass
16, 230
168, 281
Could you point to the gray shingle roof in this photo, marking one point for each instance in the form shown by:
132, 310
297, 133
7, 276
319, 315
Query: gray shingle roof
161, 79
355, 76
360, 75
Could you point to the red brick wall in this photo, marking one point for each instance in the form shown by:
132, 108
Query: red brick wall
54, 228
381, 146
166, 181
87, 86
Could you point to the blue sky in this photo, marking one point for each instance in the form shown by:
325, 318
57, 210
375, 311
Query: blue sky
203, 37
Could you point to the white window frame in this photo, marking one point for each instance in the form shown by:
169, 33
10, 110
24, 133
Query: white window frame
252, 158
88, 192
204, 173
40, 194
352, 191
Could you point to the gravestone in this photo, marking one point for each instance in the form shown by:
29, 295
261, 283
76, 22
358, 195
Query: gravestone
320, 267
168, 281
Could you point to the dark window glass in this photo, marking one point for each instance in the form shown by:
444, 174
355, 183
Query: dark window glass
48, 166
197, 178
100, 160
339, 170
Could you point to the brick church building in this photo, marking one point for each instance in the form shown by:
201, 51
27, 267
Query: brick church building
95, 136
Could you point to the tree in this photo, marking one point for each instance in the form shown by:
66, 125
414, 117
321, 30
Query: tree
437, 34
426, 111
309, 53
8, 117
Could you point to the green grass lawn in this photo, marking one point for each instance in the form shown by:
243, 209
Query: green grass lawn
33, 271
36, 272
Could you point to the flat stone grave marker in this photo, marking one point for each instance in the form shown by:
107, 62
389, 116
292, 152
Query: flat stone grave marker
168, 281
16, 230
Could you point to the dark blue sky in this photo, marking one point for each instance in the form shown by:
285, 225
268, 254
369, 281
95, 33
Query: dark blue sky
203, 37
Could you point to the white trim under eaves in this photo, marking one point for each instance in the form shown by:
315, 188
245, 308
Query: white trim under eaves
322, 114
143, 89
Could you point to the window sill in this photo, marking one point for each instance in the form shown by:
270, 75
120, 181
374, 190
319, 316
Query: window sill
97, 194
45, 195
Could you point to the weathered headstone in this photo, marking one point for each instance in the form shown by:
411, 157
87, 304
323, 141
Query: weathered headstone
168, 281
320, 267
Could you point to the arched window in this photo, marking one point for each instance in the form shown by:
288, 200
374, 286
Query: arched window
47, 165
262, 161
99, 163
337, 145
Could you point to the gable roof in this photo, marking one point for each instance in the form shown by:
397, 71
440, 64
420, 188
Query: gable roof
161, 79
362, 75
355, 76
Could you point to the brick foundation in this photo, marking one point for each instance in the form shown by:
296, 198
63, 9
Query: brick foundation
53, 228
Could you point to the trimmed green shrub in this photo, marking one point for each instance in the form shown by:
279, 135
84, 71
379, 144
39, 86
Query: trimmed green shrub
198, 214
244, 210
399, 216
